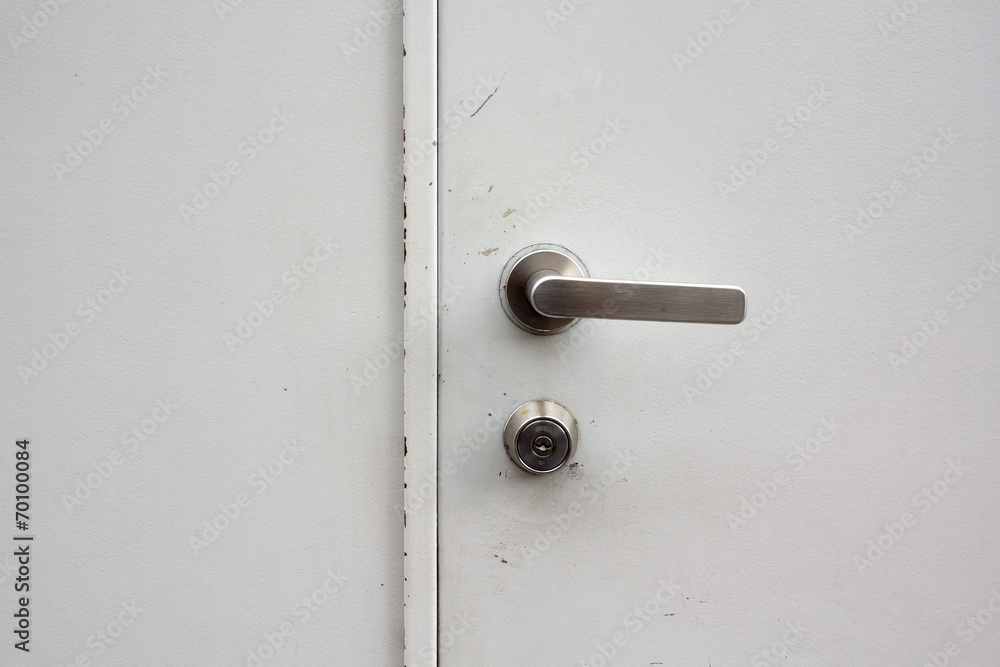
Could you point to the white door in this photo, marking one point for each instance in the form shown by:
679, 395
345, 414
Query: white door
815, 486
200, 245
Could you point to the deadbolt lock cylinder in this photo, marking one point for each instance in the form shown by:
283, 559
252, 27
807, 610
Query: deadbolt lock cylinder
540, 436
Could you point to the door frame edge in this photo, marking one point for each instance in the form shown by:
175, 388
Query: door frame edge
420, 333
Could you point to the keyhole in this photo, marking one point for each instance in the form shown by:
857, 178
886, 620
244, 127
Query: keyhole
542, 445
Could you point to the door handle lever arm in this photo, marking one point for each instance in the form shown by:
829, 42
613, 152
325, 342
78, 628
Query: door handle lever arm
546, 288
553, 295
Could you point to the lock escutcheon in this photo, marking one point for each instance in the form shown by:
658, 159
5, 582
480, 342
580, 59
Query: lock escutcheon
540, 436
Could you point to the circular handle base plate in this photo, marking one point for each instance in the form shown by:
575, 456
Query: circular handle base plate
514, 282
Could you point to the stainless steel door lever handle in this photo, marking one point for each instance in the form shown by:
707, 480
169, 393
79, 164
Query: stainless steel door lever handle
545, 288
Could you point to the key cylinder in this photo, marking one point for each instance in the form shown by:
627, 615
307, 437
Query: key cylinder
540, 436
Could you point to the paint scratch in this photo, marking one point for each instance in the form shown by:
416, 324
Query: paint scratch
490, 95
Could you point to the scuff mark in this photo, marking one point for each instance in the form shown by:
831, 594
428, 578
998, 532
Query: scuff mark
490, 95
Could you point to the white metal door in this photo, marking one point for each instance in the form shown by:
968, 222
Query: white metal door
816, 486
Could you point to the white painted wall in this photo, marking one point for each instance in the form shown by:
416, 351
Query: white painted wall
321, 368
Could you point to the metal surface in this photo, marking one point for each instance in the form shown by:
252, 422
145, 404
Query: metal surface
558, 296
540, 436
420, 270
514, 284
730, 478
169, 321
542, 294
